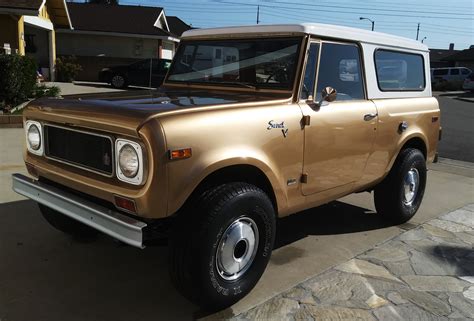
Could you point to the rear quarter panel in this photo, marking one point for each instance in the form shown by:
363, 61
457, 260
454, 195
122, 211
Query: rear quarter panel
423, 118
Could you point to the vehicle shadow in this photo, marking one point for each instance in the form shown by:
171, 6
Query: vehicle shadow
329, 219
45, 275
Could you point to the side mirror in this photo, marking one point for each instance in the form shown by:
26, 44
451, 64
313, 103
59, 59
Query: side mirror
328, 94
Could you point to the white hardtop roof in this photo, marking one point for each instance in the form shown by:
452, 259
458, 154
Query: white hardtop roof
317, 29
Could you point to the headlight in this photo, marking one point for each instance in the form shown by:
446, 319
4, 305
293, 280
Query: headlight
34, 137
128, 161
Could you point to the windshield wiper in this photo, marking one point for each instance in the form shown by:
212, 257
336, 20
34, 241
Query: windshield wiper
243, 84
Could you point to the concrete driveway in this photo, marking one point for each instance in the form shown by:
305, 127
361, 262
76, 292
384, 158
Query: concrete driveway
45, 275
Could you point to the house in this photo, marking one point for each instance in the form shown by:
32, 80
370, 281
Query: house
437, 57
106, 35
28, 27
463, 58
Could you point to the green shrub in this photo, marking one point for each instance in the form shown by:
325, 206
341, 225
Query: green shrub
67, 68
17, 79
45, 91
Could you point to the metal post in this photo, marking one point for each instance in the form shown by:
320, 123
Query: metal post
151, 67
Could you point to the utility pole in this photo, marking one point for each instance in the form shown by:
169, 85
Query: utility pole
258, 14
417, 31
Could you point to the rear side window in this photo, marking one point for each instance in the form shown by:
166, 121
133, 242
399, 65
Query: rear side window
399, 71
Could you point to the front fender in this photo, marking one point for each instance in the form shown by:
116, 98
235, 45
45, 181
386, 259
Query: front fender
186, 175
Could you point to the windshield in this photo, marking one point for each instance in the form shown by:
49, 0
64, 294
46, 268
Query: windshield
253, 63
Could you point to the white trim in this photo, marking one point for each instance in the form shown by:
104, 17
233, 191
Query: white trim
39, 22
316, 29
65, 8
116, 34
71, 27
42, 5
162, 14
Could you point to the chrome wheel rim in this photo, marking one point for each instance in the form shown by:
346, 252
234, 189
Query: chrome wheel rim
411, 183
237, 248
118, 81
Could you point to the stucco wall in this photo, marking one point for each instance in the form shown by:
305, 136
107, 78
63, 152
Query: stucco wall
167, 50
108, 46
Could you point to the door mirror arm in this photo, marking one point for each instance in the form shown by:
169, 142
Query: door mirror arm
328, 94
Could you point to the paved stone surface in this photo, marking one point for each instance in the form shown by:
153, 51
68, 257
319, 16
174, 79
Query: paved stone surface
435, 283
423, 274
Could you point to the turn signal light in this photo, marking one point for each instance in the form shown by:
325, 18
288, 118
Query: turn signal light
181, 153
125, 204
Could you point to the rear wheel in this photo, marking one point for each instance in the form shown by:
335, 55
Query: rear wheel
118, 81
66, 224
221, 246
399, 196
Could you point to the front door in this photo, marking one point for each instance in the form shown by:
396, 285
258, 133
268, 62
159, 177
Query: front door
341, 133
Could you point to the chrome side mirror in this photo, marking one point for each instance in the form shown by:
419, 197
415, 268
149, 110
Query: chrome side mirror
328, 94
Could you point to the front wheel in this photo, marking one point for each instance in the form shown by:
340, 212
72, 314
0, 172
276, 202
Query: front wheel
399, 195
221, 246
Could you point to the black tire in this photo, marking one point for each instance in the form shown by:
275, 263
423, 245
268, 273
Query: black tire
118, 81
389, 196
67, 225
196, 240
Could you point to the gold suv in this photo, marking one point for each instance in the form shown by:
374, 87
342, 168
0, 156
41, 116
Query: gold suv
251, 124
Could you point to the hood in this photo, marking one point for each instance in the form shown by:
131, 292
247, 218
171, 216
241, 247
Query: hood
127, 111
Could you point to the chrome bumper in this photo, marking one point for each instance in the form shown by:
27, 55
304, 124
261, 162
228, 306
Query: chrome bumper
119, 226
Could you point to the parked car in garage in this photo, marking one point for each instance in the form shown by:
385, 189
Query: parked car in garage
469, 82
136, 74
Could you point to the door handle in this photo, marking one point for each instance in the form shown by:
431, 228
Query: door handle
368, 117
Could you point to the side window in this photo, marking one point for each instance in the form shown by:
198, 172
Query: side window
454, 71
399, 71
340, 68
465, 71
310, 72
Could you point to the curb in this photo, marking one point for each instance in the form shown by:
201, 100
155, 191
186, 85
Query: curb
11, 121
469, 100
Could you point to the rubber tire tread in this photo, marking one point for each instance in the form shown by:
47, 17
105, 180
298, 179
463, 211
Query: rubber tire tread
388, 197
197, 218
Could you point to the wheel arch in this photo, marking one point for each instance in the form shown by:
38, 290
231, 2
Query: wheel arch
235, 173
415, 140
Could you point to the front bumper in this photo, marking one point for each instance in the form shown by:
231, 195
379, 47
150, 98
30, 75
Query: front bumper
115, 224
